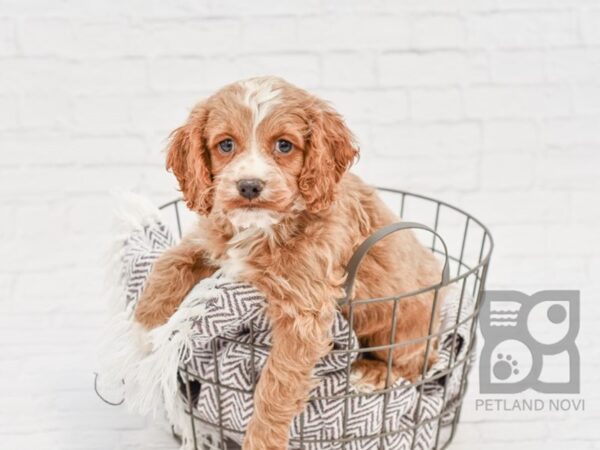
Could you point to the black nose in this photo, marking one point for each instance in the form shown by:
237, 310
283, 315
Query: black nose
250, 188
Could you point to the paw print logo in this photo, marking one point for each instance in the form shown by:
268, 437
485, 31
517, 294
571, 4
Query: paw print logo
505, 367
521, 334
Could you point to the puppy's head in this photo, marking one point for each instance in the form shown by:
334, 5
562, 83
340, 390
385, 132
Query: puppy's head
260, 149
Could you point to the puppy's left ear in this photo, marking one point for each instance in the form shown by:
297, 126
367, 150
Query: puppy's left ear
331, 150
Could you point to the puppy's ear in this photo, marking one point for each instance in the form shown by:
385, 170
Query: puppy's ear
188, 158
330, 152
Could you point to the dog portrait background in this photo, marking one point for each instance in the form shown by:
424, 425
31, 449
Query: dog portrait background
491, 105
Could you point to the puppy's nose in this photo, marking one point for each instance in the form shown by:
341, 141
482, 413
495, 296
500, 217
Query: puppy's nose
250, 188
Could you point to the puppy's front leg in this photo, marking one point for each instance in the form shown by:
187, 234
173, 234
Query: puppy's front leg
300, 339
173, 275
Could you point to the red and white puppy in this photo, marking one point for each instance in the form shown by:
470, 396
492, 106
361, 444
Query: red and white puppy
264, 164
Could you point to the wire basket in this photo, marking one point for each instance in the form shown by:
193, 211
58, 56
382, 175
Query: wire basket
465, 245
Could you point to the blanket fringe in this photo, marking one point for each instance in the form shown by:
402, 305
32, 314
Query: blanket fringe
143, 365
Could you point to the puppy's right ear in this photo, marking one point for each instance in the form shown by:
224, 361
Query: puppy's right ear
188, 158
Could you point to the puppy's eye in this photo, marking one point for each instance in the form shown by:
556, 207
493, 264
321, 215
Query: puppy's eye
226, 145
283, 146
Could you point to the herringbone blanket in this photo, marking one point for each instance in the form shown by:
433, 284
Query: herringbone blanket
208, 340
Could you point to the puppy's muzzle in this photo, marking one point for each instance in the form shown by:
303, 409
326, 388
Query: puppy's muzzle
250, 189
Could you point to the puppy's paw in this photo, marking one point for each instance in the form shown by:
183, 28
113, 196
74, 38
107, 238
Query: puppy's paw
358, 380
369, 376
260, 438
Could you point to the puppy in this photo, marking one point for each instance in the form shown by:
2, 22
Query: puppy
264, 164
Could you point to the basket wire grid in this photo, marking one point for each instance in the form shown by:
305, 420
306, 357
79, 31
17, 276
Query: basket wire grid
467, 260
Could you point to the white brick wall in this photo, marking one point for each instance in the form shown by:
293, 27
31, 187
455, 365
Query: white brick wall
490, 104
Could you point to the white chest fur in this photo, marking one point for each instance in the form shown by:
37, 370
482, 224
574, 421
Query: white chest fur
235, 262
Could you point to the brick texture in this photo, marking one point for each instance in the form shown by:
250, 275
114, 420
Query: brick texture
492, 105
